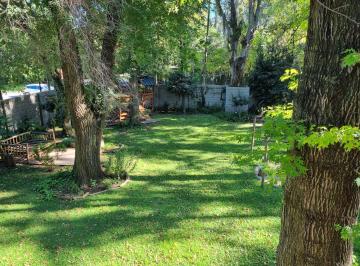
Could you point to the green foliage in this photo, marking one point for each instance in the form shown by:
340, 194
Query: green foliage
4, 133
291, 75
284, 135
351, 58
27, 124
52, 186
180, 84
266, 87
108, 182
120, 165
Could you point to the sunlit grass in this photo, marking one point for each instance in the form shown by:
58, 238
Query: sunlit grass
187, 204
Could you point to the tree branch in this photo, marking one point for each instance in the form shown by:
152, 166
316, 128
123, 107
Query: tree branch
222, 14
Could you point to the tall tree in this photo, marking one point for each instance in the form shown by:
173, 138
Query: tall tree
328, 96
87, 114
234, 26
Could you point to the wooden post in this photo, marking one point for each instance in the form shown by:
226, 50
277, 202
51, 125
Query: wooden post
266, 155
253, 134
53, 135
27, 153
40, 109
266, 159
4, 112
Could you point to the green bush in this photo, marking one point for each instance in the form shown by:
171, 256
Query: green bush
52, 186
108, 182
119, 165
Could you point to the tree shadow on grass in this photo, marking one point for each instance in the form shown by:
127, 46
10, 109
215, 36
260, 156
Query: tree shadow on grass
165, 206
154, 208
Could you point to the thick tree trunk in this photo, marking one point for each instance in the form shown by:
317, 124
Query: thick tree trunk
88, 127
328, 96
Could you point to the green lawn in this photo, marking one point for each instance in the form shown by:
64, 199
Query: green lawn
187, 204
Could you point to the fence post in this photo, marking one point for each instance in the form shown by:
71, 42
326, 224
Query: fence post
253, 134
4, 112
40, 109
27, 153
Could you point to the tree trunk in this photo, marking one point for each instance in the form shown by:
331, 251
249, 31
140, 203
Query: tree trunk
61, 107
88, 127
203, 89
328, 96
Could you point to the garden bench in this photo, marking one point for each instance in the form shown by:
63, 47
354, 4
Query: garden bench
21, 146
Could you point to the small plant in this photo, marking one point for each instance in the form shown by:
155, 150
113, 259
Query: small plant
42, 154
108, 182
120, 165
93, 183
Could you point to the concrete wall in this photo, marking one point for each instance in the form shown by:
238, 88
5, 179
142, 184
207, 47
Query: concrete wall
27, 106
219, 96
236, 92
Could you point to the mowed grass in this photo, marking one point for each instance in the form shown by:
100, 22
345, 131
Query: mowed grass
187, 204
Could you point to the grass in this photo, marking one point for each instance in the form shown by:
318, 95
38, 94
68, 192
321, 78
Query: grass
187, 204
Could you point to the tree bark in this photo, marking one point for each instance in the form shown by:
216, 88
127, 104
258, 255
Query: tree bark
111, 35
88, 127
328, 96
203, 89
233, 27
66, 120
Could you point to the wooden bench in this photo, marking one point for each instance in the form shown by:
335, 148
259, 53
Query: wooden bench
21, 146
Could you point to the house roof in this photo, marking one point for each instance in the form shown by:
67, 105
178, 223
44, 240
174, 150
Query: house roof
147, 81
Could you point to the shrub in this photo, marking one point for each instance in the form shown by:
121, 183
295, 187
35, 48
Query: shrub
26, 124
120, 165
108, 182
265, 83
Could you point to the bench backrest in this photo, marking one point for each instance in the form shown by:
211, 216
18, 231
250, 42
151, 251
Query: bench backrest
17, 138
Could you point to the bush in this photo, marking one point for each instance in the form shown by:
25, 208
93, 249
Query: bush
108, 182
265, 85
53, 186
26, 124
119, 165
